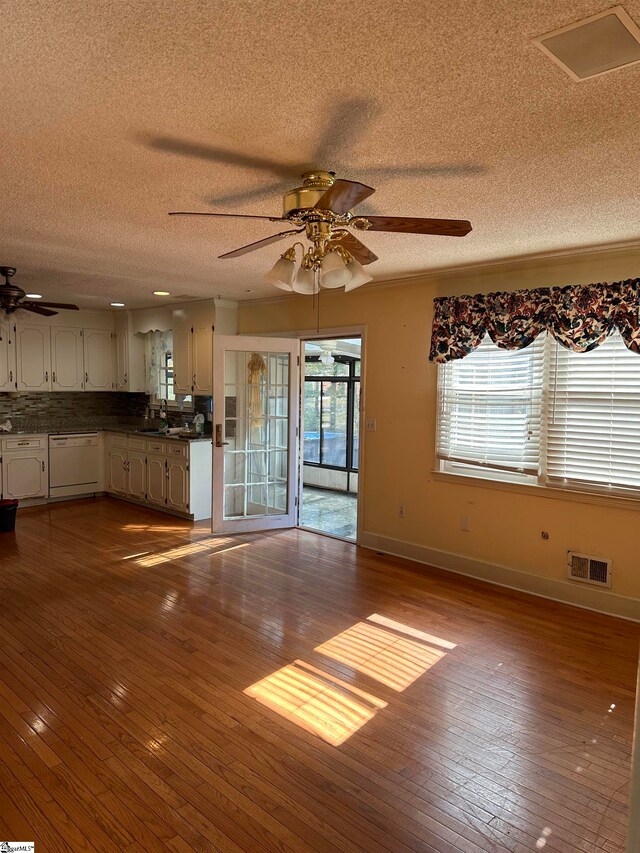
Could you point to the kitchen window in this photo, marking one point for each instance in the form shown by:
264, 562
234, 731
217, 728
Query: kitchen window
543, 415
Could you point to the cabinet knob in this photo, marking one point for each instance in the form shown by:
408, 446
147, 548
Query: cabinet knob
53, 376
43, 464
46, 376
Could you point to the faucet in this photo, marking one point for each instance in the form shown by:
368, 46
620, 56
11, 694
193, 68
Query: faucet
164, 423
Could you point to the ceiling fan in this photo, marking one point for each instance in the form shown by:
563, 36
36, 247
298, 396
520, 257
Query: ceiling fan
322, 208
13, 297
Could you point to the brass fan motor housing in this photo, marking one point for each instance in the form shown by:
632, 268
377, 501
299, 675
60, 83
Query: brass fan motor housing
314, 186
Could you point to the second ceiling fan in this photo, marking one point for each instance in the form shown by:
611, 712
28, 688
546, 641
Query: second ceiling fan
323, 208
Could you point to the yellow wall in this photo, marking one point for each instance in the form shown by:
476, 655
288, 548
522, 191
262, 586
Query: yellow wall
400, 393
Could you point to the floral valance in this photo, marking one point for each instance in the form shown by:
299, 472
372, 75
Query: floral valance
580, 317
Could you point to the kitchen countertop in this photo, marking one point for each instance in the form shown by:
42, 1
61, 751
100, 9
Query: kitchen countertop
143, 434
125, 430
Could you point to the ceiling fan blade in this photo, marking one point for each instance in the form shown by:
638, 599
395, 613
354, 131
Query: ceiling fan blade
425, 170
251, 247
343, 195
219, 155
232, 215
277, 188
66, 305
416, 225
359, 251
36, 309
347, 122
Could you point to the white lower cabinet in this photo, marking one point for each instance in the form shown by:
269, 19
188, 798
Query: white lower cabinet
137, 474
117, 468
25, 468
171, 475
157, 479
178, 485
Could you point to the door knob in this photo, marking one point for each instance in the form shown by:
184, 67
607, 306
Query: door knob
219, 441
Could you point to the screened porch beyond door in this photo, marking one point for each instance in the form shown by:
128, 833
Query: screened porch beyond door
330, 447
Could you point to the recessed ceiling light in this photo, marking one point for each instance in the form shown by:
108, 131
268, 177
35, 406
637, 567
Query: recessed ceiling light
33, 295
118, 304
161, 293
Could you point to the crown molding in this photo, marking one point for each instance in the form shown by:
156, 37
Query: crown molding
513, 262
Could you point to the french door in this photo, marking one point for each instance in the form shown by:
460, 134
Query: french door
255, 447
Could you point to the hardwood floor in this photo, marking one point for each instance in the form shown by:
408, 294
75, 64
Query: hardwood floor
129, 638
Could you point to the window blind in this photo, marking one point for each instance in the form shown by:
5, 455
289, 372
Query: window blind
593, 432
490, 407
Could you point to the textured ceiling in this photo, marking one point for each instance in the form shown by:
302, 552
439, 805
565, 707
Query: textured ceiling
114, 113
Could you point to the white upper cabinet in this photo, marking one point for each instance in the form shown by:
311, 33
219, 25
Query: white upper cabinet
67, 359
7, 356
98, 360
202, 356
122, 360
182, 360
33, 351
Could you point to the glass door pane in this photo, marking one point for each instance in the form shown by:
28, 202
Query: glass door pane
256, 466
257, 456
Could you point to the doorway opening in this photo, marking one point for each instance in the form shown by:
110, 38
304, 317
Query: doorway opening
330, 433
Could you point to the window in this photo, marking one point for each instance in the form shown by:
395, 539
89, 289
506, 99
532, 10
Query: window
331, 401
543, 415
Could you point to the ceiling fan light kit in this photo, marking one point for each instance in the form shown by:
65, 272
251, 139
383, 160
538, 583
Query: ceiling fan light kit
283, 271
323, 208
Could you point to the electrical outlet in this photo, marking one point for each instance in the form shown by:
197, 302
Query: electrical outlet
370, 424
465, 523
402, 511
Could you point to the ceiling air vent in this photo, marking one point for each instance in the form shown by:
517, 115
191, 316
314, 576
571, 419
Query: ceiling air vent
588, 569
596, 45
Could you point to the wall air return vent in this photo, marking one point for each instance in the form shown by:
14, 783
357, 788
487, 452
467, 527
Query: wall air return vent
596, 45
588, 569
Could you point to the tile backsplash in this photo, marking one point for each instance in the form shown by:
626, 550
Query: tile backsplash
82, 410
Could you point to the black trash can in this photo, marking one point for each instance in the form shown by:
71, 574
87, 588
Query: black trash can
8, 516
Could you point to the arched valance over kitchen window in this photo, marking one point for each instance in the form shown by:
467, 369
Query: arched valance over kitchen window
580, 317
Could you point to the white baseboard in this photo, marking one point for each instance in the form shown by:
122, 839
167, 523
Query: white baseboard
601, 601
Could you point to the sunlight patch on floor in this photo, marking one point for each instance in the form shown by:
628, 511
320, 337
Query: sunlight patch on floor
157, 528
389, 658
412, 632
213, 545
315, 701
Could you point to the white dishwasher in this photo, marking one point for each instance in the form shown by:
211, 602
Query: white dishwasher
74, 464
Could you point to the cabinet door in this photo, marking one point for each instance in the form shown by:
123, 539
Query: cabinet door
122, 360
25, 474
178, 484
67, 360
157, 479
182, 362
202, 354
7, 356
98, 360
117, 481
137, 471
33, 351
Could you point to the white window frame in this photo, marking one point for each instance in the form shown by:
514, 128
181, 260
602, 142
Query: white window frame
172, 404
541, 482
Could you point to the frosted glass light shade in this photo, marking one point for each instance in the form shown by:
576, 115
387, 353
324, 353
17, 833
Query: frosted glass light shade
305, 282
359, 275
282, 274
333, 272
